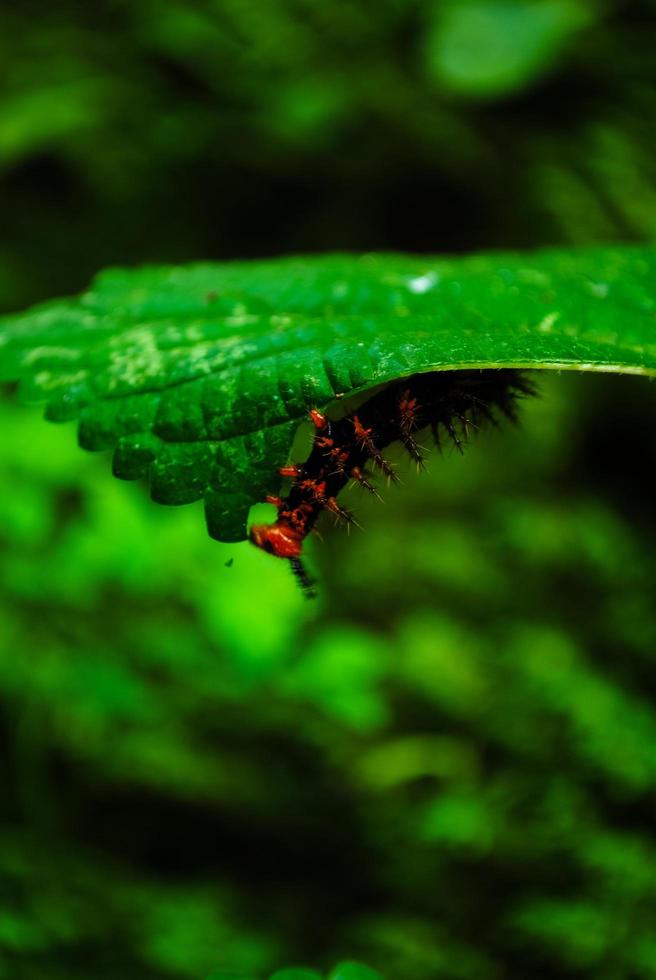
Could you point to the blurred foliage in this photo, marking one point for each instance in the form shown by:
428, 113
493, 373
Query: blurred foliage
348, 970
484, 49
161, 130
446, 768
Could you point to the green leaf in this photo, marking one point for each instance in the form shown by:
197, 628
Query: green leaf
199, 376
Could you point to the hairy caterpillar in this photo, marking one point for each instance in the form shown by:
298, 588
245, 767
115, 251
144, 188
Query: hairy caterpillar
447, 402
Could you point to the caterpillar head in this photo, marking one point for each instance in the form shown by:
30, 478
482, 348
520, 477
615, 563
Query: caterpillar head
277, 539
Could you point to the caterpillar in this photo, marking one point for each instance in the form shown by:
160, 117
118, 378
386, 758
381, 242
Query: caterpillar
446, 402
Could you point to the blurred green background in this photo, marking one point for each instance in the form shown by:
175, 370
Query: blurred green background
447, 766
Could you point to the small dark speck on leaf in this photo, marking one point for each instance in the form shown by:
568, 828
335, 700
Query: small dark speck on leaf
229, 563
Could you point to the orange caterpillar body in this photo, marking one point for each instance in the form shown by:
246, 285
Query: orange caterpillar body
446, 401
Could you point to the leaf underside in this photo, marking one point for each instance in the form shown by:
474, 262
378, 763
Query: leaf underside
198, 376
